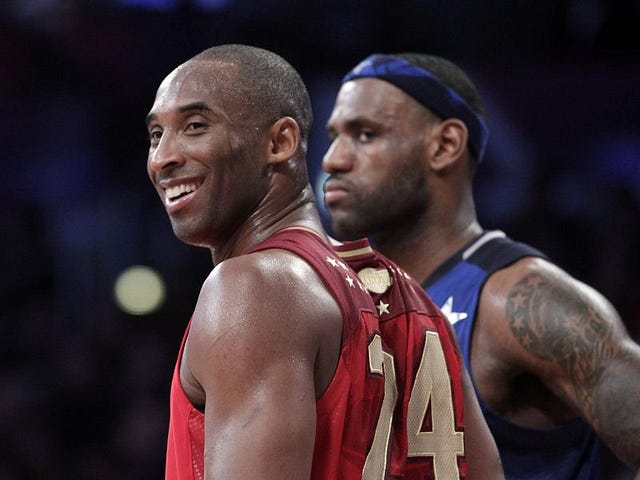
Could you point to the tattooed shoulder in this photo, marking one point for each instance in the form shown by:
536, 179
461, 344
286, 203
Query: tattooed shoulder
557, 322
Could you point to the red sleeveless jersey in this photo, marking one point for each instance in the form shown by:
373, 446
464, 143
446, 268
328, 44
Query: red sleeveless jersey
424, 424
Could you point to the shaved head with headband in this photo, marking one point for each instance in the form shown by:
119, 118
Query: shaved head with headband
437, 84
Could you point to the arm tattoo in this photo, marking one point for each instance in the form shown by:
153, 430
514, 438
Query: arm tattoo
555, 325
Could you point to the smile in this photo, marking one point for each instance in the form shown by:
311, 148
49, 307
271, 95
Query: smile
173, 194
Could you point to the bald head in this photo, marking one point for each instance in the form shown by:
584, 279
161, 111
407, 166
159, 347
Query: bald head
265, 85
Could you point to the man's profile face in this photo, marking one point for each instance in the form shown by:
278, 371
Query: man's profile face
375, 160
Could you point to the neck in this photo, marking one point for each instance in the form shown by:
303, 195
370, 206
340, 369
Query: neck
268, 219
423, 246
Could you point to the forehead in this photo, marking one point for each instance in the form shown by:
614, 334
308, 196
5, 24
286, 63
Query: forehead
194, 81
372, 97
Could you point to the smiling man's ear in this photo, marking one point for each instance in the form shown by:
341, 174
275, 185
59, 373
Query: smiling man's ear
284, 139
447, 143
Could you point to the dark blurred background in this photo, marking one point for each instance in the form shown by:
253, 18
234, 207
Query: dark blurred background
84, 383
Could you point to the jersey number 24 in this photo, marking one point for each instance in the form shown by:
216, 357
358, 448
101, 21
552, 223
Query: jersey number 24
431, 385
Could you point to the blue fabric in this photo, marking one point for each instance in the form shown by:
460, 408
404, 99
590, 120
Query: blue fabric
426, 89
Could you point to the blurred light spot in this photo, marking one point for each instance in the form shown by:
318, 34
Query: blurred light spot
139, 290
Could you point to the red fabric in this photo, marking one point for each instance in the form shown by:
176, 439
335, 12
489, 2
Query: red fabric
185, 443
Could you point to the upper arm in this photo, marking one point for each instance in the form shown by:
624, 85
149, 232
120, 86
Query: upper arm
252, 347
572, 339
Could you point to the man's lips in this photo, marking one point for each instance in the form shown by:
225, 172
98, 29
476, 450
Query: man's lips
335, 190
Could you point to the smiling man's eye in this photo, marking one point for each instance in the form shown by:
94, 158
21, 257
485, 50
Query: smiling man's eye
195, 126
155, 135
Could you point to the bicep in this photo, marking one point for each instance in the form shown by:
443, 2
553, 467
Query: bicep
596, 366
257, 371
261, 424
568, 334
576, 344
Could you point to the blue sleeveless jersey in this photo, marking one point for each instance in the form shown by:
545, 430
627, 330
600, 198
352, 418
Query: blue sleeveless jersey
565, 452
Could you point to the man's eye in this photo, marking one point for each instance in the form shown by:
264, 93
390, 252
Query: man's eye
195, 126
155, 135
365, 135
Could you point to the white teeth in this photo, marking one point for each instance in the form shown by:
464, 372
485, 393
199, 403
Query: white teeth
174, 192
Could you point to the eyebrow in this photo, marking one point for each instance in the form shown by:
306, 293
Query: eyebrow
195, 106
352, 123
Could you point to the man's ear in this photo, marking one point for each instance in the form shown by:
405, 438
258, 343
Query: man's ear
447, 143
284, 139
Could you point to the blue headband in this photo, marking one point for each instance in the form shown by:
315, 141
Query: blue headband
426, 89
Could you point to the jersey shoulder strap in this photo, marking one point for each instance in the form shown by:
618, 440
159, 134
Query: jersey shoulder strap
491, 251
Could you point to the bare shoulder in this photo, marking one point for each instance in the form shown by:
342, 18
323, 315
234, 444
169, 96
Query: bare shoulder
550, 313
261, 292
544, 312
257, 306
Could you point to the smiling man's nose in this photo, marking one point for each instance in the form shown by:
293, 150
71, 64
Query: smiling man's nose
165, 154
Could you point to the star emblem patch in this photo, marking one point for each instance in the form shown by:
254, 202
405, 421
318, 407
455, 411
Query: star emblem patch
382, 307
452, 316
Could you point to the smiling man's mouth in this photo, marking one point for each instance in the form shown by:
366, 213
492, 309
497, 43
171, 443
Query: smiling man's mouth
173, 194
